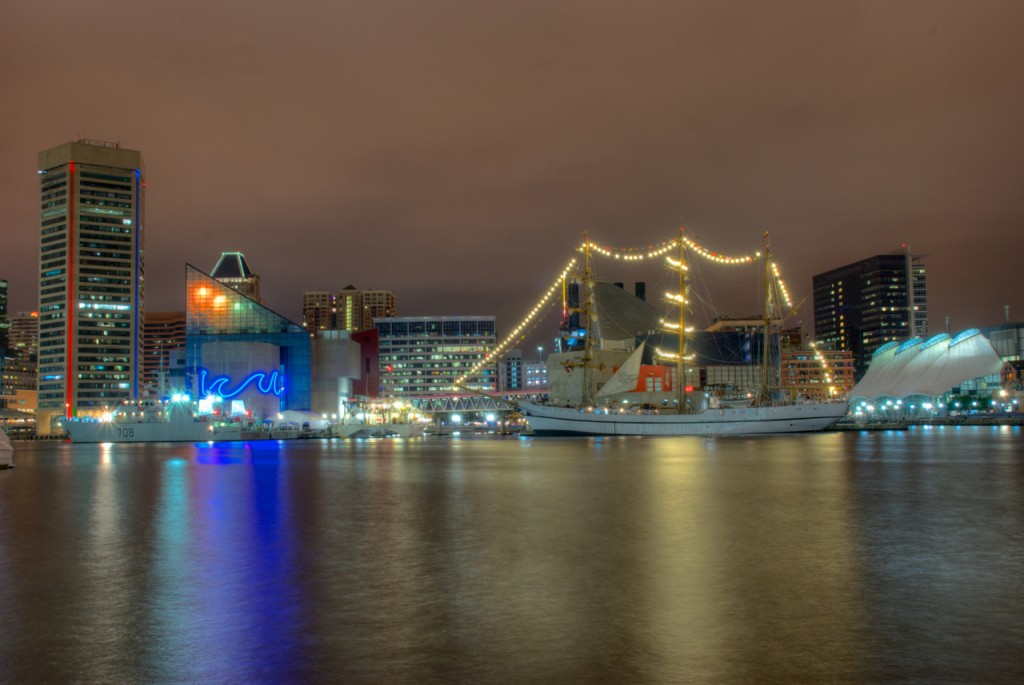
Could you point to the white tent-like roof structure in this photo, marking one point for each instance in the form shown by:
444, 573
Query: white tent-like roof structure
927, 367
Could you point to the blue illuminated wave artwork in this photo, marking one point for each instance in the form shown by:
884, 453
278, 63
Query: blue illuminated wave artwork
267, 384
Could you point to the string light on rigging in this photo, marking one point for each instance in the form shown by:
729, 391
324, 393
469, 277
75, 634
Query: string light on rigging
514, 336
719, 258
782, 285
629, 254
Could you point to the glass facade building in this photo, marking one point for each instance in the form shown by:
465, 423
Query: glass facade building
862, 306
422, 356
91, 277
237, 348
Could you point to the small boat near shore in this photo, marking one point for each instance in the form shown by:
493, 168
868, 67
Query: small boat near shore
383, 430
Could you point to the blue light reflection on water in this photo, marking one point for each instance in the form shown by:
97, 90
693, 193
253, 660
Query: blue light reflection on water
868, 557
243, 544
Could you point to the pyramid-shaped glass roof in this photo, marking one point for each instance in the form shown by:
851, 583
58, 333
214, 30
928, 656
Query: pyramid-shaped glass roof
213, 308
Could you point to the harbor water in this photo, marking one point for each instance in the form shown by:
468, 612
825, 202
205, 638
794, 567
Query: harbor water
883, 557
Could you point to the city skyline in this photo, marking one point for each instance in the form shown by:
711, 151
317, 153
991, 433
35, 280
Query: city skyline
454, 155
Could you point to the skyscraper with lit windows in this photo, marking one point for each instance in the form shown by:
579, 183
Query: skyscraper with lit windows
91, 277
861, 306
5, 325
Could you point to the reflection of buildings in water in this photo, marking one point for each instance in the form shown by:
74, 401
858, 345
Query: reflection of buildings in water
755, 564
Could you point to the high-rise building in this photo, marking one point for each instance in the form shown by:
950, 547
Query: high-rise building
233, 271
319, 309
349, 309
91, 277
24, 333
349, 314
18, 370
861, 306
378, 304
162, 335
422, 355
5, 325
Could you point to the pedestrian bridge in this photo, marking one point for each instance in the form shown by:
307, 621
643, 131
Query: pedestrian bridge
456, 403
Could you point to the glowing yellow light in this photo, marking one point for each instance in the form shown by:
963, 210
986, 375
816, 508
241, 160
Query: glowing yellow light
514, 335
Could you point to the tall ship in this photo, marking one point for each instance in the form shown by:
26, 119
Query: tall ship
613, 408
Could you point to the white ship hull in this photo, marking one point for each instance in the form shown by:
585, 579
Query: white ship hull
797, 418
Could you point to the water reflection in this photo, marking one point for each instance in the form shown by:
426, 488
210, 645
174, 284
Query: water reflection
827, 558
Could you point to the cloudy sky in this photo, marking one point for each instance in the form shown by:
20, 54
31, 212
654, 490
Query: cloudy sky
454, 152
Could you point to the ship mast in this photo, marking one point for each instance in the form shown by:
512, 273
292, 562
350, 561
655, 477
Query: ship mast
764, 396
585, 309
682, 403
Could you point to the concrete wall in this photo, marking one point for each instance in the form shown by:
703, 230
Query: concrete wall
335, 366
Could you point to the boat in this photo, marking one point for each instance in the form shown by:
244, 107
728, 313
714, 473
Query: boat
691, 413
158, 421
389, 430
795, 418
6, 452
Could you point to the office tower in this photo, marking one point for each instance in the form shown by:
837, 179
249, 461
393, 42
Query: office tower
349, 312
19, 363
511, 372
378, 304
422, 355
5, 325
24, 334
91, 277
318, 310
233, 271
349, 309
863, 305
162, 335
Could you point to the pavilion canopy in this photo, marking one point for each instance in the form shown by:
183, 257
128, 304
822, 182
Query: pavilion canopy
927, 367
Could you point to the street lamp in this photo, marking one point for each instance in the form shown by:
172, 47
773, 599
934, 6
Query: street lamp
540, 352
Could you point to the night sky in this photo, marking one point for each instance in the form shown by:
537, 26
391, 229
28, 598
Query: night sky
454, 152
